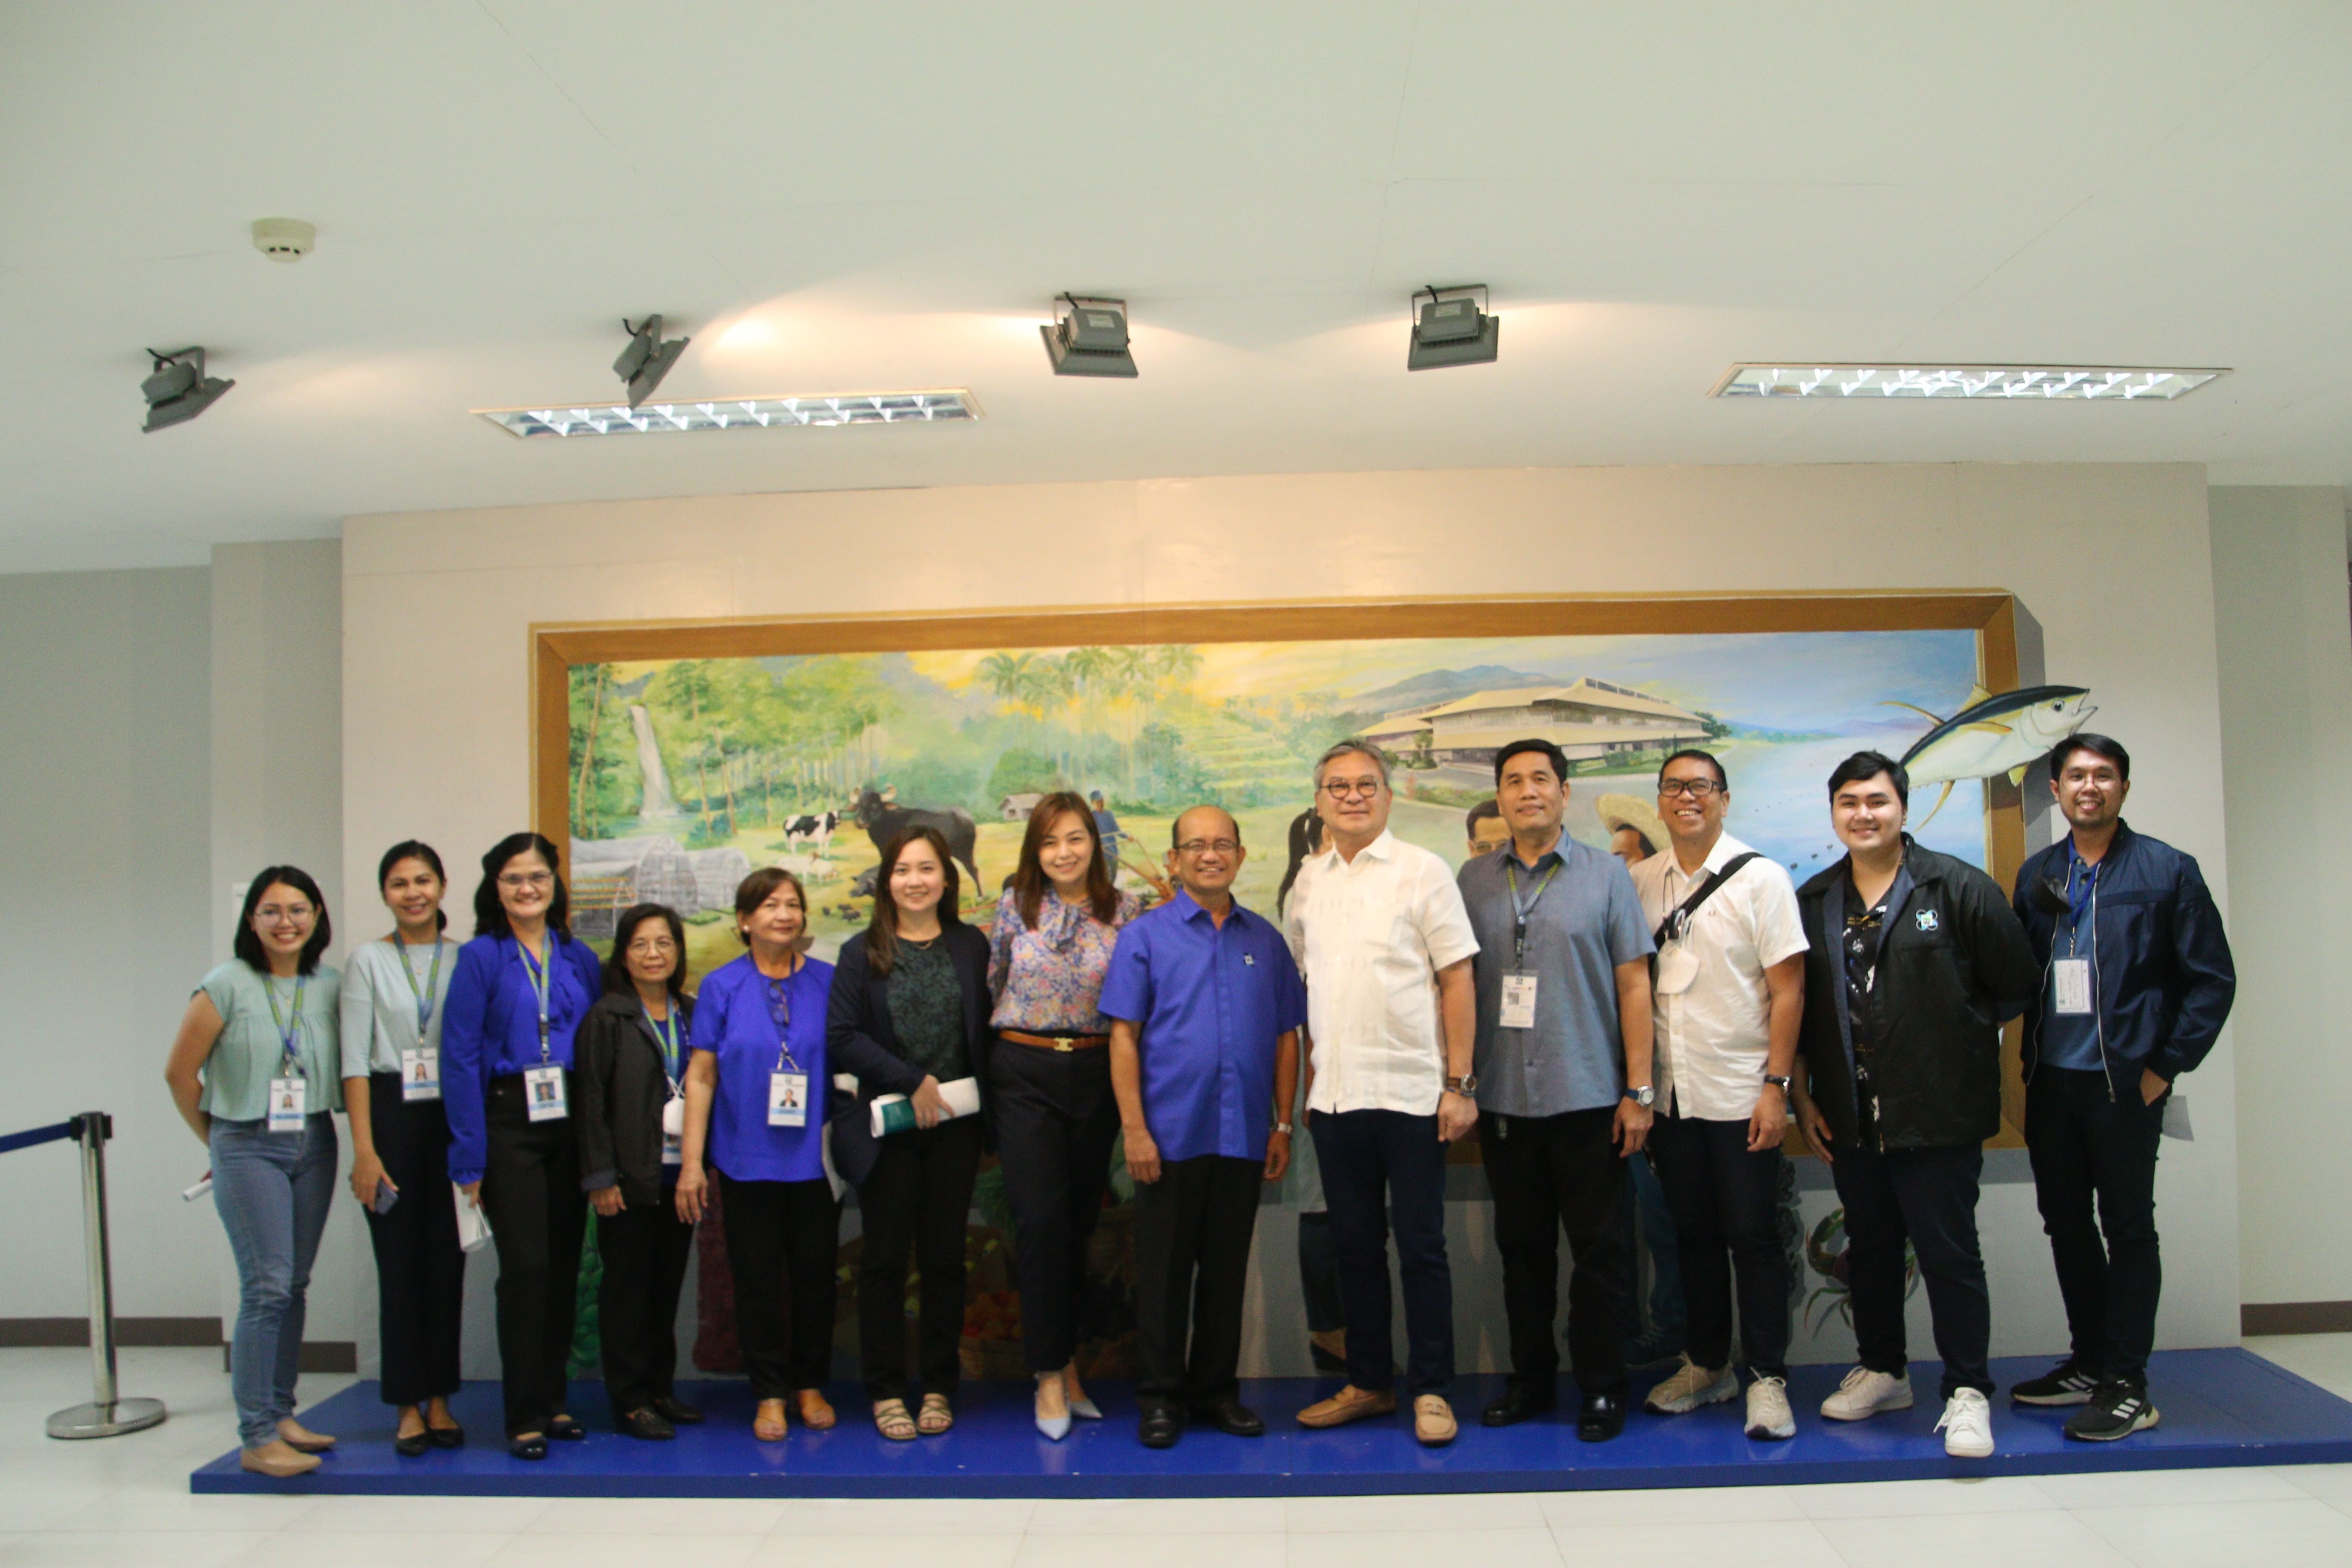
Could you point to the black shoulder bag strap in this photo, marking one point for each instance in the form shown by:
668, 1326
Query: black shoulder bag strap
1678, 921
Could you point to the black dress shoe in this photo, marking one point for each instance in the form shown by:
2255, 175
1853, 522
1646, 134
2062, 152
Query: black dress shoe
1230, 1416
1160, 1427
410, 1447
526, 1447
446, 1436
1603, 1418
1515, 1403
646, 1423
677, 1412
564, 1429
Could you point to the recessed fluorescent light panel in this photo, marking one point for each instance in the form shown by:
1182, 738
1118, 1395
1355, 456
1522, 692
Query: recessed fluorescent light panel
2107, 384
737, 414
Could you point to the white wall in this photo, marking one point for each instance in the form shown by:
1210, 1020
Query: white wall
104, 867
2286, 662
438, 607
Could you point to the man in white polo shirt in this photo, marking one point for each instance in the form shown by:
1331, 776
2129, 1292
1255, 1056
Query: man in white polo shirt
1726, 1003
1379, 932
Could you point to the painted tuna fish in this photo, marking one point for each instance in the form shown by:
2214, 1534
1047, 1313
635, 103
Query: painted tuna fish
1995, 735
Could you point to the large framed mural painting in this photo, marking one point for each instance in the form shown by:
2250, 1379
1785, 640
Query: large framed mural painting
674, 758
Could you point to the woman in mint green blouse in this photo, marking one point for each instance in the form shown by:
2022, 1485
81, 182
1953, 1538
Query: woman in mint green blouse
255, 1073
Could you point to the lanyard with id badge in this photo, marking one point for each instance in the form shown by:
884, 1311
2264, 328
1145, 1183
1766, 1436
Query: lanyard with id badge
420, 1065
673, 1119
2071, 977
289, 1091
542, 1086
1519, 982
787, 1085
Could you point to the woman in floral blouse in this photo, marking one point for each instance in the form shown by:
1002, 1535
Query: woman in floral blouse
1050, 1079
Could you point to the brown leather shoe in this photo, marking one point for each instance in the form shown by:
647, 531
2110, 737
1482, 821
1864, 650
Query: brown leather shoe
278, 1459
296, 1436
1350, 1404
1432, 1420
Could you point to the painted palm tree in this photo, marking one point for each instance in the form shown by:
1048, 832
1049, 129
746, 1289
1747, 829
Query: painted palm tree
1090, 671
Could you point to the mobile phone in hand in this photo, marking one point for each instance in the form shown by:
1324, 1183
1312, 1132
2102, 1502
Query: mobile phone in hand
385, 1196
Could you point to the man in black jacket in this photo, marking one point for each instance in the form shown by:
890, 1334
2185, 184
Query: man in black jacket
2137, 981
1915, 963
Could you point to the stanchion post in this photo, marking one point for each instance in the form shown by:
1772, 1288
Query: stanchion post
107, 1415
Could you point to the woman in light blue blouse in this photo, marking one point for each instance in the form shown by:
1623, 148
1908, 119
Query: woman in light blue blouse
755, 1105
255, 1074
521, 988
395, 991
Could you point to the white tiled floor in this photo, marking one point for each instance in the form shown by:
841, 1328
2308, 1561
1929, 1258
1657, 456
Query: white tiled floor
125, 1501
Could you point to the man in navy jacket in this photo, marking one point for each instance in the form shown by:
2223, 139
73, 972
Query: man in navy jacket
2137, 981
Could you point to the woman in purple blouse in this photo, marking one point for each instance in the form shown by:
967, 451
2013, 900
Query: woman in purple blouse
1055, 1116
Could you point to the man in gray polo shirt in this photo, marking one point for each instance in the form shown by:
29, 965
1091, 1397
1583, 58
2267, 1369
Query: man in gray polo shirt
1562, 1084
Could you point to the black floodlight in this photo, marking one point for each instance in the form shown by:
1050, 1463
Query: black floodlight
1088, 337
179, 389
1453, 326
647, 358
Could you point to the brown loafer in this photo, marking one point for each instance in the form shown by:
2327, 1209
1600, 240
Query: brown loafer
278, 1459
1432, 1420
1350, 1404
296, 1436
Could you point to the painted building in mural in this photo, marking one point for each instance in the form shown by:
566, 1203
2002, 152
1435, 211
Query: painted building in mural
1592, 721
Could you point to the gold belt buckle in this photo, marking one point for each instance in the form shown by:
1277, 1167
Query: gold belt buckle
1062, 1042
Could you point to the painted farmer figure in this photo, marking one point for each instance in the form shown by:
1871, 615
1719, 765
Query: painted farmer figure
2137, 982
1378, 926
1563, 1086
1915, 963
1728, 998
1206, 1005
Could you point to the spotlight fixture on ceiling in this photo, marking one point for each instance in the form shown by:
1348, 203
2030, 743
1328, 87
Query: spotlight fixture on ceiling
647, 358
1454, 326
179, 389
1088, 337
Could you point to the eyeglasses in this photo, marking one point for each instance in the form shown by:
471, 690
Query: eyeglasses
527, 879
1698, 789
1345, 789
270, 914
1203, 846
651, 945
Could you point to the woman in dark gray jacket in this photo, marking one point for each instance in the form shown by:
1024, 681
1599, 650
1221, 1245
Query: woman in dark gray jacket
628, 1064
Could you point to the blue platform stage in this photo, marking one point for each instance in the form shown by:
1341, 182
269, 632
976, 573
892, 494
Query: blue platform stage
2221, 1408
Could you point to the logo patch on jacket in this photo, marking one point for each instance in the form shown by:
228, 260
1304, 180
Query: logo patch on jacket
1926, 918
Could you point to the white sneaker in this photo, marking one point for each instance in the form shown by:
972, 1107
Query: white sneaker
1864, 1394
1768, 1415
1966, 1425
1689, 1386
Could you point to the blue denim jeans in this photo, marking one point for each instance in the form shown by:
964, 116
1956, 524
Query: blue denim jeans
273, 1191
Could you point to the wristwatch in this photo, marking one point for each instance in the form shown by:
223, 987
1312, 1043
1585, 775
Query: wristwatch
1283, 1128
1777, 1082
1466, 1084
1645, 1096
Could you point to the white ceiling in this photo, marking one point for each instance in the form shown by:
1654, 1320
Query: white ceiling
836, 197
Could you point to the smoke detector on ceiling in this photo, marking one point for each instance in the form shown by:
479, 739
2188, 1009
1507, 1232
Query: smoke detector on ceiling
284, 238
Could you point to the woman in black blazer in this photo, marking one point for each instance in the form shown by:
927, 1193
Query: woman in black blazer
628, 1063
909, 1011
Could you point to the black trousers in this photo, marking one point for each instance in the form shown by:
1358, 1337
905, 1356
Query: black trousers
782, 1239
1549, 1174
1726, 1202
644, 1250
2088, 1144
918, 1196
1056, 1121
1192, 1231
420, 1274
1927, 1196
1318, 1273
1376, 1164
539, 1217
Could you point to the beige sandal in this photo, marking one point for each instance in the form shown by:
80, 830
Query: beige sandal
891, 1419
937, 1416
816, 1413
768, 1422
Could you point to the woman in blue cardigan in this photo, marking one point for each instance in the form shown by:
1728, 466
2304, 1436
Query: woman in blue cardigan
520, 989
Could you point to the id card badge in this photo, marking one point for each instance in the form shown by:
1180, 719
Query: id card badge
788, 1099
1518, 1001
674, 1131
420, 1073
2073, 979
543, 1089
287, 1098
